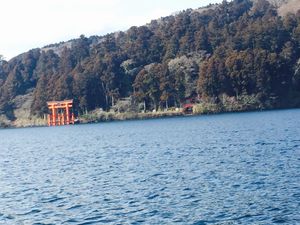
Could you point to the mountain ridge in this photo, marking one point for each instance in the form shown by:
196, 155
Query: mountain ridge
283, 6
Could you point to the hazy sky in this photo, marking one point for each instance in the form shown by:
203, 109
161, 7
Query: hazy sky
27, 24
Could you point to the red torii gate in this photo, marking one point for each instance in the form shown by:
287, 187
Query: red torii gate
60, 113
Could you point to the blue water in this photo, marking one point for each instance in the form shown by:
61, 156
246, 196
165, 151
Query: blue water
241, 168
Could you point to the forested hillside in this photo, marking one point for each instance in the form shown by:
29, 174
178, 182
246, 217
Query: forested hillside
238, 55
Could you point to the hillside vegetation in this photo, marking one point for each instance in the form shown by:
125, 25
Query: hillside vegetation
238, 55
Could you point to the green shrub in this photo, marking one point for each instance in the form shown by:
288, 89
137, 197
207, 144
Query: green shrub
206, 108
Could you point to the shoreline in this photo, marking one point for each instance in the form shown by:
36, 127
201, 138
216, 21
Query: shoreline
92, 118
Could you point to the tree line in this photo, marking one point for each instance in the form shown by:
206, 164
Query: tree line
227, 52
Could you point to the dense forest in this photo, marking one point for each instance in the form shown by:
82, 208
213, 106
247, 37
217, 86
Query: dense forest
238, 55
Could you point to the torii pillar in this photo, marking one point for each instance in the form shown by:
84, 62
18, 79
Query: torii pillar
64, 116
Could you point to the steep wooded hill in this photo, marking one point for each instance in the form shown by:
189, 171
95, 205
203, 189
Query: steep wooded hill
243, 52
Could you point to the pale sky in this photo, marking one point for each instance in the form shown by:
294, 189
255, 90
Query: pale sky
27, 24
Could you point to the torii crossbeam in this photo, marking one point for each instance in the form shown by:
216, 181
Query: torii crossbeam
60, 113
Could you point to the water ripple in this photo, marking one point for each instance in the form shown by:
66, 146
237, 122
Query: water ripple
223, 169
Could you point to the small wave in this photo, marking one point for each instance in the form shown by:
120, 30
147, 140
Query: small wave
71, 221
135, 211
273, 209
117, 209
188, 196
52, 199
200, 222
5, 217
152, 196
42, 224
104, 221
152, 213
74, 207
279, 220
93, 222
33, 211
157, 174
246, 216
264, 143
94, 218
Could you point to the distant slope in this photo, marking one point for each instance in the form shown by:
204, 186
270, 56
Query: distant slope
291, 6
285, 6
238, 55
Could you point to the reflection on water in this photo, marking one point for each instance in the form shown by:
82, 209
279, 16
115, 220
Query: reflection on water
223, 169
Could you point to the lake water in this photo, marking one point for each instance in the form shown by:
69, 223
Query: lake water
241, 168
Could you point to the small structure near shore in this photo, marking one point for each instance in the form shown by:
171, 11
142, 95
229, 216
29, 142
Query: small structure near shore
60, 113
188, 108
189, 104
